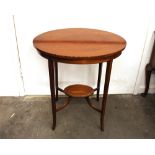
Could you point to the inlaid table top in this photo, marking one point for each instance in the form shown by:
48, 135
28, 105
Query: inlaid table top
79, 45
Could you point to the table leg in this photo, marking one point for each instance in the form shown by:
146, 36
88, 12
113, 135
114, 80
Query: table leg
148, 70
99, 81
56, 79
106, 86
51, 66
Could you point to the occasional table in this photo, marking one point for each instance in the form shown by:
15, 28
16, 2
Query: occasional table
79, 46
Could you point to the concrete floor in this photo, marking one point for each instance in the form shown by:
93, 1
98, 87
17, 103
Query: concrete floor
127, 116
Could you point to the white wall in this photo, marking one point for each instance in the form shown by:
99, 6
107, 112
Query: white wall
10, 82
126, 18
140, 85
120, 17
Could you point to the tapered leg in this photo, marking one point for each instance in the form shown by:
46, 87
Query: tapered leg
148, 70
56, 79
99, 81
106, 86
51, 66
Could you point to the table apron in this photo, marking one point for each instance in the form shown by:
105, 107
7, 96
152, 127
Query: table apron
87, 60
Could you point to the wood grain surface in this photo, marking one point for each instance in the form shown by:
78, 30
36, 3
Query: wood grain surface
79, 90
74, 44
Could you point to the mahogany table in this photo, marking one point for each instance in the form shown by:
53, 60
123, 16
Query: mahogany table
79, 46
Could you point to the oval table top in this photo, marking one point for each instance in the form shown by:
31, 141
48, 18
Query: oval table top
79, 45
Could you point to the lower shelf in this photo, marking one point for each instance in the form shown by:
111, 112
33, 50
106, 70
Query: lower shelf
79, 90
